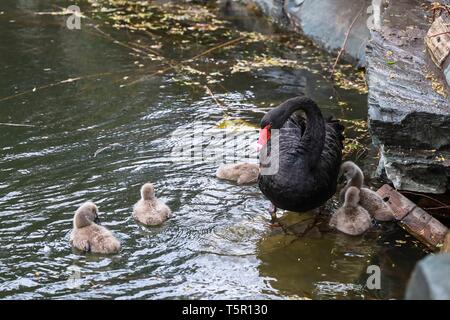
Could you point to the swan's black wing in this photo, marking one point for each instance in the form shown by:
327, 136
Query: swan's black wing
297, 186
331, 158
290, 137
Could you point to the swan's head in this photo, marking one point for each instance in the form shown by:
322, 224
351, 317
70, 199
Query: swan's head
348, 171
276, 118
86, 215
269, 121
148, 191
352, 197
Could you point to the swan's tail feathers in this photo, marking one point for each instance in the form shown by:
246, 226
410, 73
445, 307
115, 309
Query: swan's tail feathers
338, 128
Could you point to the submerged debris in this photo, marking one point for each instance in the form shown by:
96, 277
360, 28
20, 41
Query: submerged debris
194, 25
111, 146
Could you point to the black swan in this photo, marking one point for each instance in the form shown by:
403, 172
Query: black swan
351, 218
369, 199
309, 155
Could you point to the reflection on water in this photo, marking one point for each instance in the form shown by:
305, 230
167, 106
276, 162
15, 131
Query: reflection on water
328, 265
99, 126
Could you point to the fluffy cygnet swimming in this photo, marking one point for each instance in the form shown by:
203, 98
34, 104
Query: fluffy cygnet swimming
88, 235
242, 173
369, 199
150, 210
351, 218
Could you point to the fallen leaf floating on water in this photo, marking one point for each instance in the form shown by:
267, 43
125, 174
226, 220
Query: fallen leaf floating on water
111, 146
235, 124
199, 24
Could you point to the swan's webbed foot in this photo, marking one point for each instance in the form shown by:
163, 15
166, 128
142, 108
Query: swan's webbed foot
273, 213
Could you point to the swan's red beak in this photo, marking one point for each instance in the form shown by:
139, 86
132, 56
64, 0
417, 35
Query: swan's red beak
264, 136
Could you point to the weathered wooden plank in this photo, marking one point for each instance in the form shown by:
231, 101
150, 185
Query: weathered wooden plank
446, 246
438, 40
400, 205
414, 219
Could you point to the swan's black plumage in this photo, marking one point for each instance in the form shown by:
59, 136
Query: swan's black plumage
310, 155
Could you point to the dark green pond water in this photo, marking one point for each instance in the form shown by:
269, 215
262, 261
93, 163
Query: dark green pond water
127, 88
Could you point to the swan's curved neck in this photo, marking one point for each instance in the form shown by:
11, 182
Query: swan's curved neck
351, 198
81, 221
313, 140
357, 179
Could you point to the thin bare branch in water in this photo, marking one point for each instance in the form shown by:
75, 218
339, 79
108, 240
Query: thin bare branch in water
108, 36
113, 145
61, 82
213, 96
222, 45
156, 53
438, 208
133, 46
221, 254
347, 34
16, 124
161, 71
425, 196
361, 153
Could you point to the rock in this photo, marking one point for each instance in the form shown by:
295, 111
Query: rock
272, 9
408, 119
429, 280
308, 17
425, 171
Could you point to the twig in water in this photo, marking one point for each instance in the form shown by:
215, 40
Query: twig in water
35, 89
438, 208
220, 253
222, 45
108, 36
213, 96
133, 48
425, 196
347, 34
39, 88
16, 124
113, 145
162, 71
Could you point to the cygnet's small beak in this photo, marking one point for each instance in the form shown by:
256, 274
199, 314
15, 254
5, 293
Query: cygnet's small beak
97, 220
341, 179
